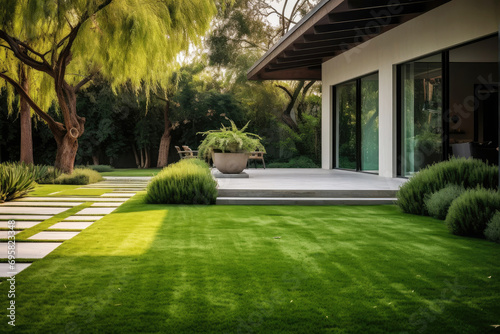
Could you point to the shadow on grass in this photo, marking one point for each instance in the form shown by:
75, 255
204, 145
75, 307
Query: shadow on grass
173, 269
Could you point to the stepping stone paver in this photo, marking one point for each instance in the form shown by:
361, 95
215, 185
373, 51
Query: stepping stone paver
118, 195
107, 204
83, 218
41, 204
71, 225
53, 235
95, 211
71, 199
30, 250
25, 217
20, 224
6, 271
31, 210
5, 234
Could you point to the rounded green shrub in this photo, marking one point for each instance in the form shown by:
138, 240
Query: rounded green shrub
80, 176
438, 203
469, 173
100, 168
185, 182
470, 213
492, 231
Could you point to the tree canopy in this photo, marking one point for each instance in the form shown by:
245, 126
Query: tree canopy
69, 42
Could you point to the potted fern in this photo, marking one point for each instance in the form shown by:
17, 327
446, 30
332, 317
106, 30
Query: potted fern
229, 147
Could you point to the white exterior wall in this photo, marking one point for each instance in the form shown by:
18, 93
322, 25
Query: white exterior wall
451, 24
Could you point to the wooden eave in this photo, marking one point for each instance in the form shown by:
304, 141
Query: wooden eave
331, 28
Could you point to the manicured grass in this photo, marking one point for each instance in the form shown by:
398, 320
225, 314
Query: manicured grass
223, 269
58, 190
133, 172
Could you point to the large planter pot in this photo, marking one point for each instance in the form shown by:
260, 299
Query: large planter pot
230, 163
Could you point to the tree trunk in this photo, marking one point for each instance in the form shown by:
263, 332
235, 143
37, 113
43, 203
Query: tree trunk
67, 144
137, 162
25, 118
66, 153
147, 162
95, 158
166, 138
141, 150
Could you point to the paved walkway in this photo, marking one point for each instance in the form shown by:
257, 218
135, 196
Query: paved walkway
28, 212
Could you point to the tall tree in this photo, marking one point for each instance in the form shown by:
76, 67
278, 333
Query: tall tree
242, 34
130, 41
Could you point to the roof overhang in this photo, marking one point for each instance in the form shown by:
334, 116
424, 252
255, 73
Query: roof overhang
331, 28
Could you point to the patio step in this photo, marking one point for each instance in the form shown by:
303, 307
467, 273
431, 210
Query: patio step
296, 193
305, 197
303, 201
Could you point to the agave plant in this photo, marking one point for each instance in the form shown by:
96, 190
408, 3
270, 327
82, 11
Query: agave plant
229, 140
16, 180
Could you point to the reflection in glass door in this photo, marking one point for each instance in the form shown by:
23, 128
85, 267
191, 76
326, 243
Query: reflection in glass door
346, 111
369, 123
421, 117
357, 124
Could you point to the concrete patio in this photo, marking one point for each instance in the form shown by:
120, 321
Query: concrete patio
308, 187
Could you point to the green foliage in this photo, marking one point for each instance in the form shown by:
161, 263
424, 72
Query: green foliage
469, 173
101, 168
79, 176
229, 139
185, 182
492, 231
16, 180
52, 174
470, 213
297, 162
438, 203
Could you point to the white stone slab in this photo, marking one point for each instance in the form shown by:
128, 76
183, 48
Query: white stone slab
24, 217
107, 204
71, 225
95, 211
118, 195
7, 271
71, 199
53, 235
5, 234
31, 210
30, 250
83, 218
20, 224
41, 204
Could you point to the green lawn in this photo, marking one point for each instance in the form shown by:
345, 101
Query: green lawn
223, 269
42, 190
132, 172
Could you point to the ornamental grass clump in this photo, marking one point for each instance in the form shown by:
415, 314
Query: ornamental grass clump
185, 182
468, 173
230, 140
470, 213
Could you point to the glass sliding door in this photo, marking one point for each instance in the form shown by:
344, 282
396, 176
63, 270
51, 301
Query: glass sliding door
421, 114
369, 123
357, 124
346, 129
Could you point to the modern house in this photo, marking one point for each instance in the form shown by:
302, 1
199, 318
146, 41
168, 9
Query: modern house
405, 82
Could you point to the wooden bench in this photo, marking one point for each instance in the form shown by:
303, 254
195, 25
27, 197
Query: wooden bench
254, 156
186, 152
